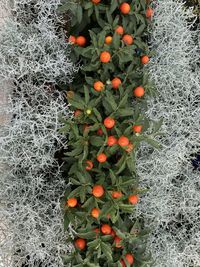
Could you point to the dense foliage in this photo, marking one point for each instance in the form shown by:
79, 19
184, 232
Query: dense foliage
108, 97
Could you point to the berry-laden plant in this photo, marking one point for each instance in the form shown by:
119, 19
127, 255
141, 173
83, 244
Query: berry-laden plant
109, 40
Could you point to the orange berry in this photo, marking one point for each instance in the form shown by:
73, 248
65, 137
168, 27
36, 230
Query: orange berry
98, 86
89, 165
123, 141
117, 241
125, 8
123, 263
72, 39
101, 157
137, 128
108, 216
81, 40
95, 212
106, 229
139, 91
80, 243
111, 140
72, 202
130, 148
108, 40
113, 234
129, 257
96, 1
144, 60
127, 39
119, 30
98, 190
100, 131
149, 12
96, 230
133, 199
117, 194
109, 122
116, 82
105, 57
77, 113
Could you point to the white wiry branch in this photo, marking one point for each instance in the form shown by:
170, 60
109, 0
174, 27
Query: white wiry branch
172, 206
33, 58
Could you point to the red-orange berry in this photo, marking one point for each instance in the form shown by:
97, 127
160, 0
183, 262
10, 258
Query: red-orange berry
81, 40
106, 229
109, 122
111, 140
98, 86
133, 199
137, 128
102, 158
95, 213
116, 82
80, 243
125, 8
89, 165
123, 141
117, 194
127, 39
105, 57
72, 39
98, 190
72, 202
119, 30
144, 60
139, 91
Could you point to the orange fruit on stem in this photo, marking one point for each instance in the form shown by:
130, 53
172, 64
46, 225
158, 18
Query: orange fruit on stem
149, 12
119, 30
117, 241
98, 86
105, 57
81, 40
123, 141
106, 229
80, 243
125, 8
144, 60
116, 82
72, 202
98, 190
72, 39
96, 1
130, 148
123, 263
138, 91
127, 39
95, 212
101, 157
109, 122
100, 131
111, 140
108, 40
133, 199
89, 165
129, 257
77, 113
137, 128
117, 194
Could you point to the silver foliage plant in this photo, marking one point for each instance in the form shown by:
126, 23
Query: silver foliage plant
33, 58
171, 208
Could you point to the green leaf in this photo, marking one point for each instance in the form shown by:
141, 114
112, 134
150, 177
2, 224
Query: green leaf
87, 235
110, 100
116, 41
107, 251
97, 114
87, 95
89, 203
96, 141
101, 39
153, 143
79, 13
